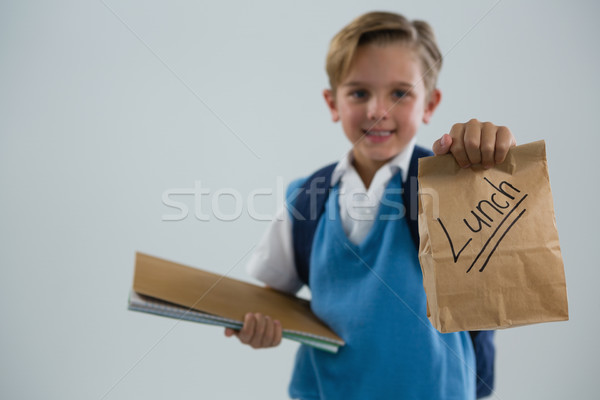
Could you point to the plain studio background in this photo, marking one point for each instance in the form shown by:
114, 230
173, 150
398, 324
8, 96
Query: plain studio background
105, 106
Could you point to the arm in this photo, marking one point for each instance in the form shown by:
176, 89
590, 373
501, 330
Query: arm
476, 142
272, 263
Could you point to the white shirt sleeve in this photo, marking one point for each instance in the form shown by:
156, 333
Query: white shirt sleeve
272, 262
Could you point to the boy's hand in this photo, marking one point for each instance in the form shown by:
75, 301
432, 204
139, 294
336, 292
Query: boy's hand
259, 331
476, 143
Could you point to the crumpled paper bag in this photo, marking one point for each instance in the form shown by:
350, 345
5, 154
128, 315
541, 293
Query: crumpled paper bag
489, 248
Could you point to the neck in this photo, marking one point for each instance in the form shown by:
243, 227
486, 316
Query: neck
367, 171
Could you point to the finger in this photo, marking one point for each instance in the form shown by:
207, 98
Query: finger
442, 145
504, 141
458, 146
247, 332
259, 331
488, 144
472, 140
229, 332
267, 339
278, 333
437, 147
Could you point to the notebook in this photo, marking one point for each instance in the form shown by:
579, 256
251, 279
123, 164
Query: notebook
174, 290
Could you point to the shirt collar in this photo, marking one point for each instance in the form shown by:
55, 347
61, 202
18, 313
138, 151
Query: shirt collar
400, 162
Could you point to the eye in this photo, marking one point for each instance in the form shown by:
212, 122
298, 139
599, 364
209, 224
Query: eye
399, 93
358, 94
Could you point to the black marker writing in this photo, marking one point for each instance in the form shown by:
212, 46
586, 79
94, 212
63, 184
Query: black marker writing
501, 237
486, 213
479, 221
499, 188
494, 233
454, 255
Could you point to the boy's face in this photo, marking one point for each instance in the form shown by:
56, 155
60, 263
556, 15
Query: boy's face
381, 102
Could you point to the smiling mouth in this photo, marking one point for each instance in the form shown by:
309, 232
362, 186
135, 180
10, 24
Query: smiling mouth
379, 133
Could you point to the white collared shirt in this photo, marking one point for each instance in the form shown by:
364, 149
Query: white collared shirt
273, 259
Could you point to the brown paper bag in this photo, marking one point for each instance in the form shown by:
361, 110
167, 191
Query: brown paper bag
489, 247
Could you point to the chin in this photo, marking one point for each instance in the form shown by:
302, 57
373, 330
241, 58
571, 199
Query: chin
384, 155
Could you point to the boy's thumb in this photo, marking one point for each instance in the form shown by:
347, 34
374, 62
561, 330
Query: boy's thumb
442, 145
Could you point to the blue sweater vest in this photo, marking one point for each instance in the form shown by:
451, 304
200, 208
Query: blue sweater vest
372, 295
307, 201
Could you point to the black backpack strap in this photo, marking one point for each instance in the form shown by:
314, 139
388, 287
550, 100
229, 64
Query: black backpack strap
410, 192
485, 353
308, 206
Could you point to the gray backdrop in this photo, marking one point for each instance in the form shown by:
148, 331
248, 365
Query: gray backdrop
105, 106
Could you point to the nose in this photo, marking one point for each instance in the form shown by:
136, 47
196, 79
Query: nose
377, 109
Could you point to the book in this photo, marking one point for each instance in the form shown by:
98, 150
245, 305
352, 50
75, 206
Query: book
169, 289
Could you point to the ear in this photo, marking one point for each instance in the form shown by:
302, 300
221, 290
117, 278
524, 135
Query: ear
331, 104
434, 100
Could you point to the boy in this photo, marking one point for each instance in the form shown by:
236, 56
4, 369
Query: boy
365, 278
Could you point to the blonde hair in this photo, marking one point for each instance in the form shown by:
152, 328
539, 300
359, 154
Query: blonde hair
382, 28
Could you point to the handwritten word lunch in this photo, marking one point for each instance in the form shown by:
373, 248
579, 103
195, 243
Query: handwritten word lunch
494, 217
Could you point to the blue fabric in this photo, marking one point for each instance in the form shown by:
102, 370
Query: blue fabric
306, 214
311, 202
306, 199
371, 295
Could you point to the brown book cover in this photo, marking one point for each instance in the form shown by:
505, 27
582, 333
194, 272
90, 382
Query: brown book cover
201, 294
